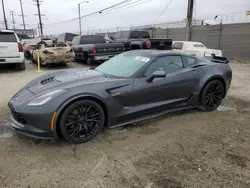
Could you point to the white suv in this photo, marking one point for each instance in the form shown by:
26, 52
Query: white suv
11, 49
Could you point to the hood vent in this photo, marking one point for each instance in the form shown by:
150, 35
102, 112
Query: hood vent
49, 81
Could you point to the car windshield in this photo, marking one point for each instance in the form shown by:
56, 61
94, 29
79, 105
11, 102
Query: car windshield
123, 65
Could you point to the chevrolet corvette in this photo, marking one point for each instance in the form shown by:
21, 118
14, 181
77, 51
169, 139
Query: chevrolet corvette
76, 104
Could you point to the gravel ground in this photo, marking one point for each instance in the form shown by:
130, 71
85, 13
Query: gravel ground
190, 148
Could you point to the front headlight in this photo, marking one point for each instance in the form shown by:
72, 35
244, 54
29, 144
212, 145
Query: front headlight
46, 97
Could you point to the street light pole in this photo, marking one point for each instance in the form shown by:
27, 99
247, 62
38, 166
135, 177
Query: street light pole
79, 11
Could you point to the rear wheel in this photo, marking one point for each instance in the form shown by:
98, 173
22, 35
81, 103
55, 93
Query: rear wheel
82, 121
21, 66
85, 59
89, 61
212, 95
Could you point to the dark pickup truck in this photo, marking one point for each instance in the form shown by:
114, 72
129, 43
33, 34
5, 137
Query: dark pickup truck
91, 48
141, 40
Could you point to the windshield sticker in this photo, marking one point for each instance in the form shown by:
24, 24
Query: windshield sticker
144, 59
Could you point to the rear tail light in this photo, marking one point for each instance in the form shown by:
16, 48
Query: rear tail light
94, 49
20, 47
123, 48
148, 44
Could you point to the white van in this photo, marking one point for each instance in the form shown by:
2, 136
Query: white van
11, 49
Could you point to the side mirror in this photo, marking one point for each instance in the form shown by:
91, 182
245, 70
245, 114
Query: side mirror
156, 74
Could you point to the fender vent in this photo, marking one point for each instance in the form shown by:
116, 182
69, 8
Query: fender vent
48, 81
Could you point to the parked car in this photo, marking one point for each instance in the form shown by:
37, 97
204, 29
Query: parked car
195, 48
29, 45
91, 48
141, 40
11, 49
66, 37
133, 86
53, 53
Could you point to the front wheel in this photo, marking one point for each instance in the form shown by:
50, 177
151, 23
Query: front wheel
82, 121
212, 95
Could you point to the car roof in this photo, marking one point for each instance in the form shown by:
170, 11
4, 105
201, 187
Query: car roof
188, 42
153, 53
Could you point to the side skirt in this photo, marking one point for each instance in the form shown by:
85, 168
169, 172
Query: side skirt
151, 116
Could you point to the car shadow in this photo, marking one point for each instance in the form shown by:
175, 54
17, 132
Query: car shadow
8, 68
162, 117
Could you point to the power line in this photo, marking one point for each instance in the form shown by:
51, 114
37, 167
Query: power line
133, 2
111, 10
128, 6
163, 11
93, 13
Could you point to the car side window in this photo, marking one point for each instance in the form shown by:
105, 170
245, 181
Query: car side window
188, 61
177, 45
167, 63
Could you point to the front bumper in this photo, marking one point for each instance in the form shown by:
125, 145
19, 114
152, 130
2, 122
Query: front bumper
30, 130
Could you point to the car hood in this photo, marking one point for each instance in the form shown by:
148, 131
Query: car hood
63, 79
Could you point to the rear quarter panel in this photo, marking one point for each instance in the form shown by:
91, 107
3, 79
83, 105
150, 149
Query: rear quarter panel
214, 71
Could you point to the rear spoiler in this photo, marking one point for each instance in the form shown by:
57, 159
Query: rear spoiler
217, 59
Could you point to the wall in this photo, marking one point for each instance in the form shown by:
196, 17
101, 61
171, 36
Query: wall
232, 39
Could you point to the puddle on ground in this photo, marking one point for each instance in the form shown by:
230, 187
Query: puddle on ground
5, 130
225, 109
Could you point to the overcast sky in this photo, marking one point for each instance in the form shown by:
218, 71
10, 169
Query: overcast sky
60, 10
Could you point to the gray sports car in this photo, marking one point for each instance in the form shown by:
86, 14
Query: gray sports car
77, 104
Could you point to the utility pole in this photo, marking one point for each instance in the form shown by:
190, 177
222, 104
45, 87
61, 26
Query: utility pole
13, 20
189, 19
21, 5
39, 15
5, 20
38, 28
79, 14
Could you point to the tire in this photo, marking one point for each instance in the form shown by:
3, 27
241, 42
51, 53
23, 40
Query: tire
42, 64
212, 95
89, 61
77, 60
33, 60
85, 59
75, 123
21, 66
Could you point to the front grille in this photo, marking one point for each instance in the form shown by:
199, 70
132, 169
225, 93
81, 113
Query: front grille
48, 80
17, 117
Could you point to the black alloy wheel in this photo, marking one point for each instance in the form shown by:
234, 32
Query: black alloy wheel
82, 121
212, 95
